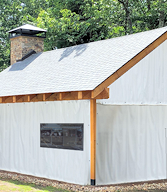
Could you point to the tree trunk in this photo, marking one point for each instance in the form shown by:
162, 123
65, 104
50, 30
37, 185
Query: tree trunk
148, 5
128, 21
161, 19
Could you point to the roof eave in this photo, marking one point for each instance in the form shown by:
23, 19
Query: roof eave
58, 96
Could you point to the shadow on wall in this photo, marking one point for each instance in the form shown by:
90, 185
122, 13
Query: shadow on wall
20, 65
79, 49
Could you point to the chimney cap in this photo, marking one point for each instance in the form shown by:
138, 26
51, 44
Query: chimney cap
27, 29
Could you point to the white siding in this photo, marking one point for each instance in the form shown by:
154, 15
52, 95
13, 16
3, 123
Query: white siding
20, 149
130, 143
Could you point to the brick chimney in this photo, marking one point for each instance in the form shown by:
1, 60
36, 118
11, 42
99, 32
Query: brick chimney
25, 40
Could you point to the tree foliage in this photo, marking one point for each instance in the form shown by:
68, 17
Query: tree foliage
72, 22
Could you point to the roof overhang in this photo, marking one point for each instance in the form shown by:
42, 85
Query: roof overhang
100, 92
74, 95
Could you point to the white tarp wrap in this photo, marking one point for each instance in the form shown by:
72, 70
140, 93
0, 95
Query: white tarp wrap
145, 83
130, 143
20, 140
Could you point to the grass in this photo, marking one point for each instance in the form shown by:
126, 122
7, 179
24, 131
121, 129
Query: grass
7, 185
11, 185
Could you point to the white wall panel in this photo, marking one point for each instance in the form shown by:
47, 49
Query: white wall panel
130, 143
145, 83
20, 149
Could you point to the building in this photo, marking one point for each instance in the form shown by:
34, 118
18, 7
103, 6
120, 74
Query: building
88, 114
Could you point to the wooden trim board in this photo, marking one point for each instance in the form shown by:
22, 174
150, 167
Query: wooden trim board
73, 95
128, 65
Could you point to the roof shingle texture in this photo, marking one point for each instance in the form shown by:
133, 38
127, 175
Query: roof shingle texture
76, 68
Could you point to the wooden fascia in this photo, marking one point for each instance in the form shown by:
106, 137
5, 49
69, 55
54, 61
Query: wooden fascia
73, 95
80, 95
128, 65
36, 97
46, 96
53, 97
21, 98
6, 99
104, 94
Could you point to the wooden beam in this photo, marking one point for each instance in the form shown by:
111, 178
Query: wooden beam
53, 97
36, 97
46, 96
93, 141
128, 65
26, 98
86, 94
104, 94
14, 99
69, 95
31, 97
2, 99
73, 95
79, 94
66, 96
19, 98
60, 96
8, 99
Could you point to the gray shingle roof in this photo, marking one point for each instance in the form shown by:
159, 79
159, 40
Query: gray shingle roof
76, 68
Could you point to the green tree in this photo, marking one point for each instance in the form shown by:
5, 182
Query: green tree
76, 22
13, 14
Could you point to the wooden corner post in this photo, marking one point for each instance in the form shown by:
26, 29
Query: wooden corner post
93, 141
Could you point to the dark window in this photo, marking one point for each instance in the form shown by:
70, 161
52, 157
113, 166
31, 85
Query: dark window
62, 136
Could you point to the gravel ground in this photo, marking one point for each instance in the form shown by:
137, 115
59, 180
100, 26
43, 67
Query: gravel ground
157, 186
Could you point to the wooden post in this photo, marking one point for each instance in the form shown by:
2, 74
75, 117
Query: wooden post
14, 99
93, 141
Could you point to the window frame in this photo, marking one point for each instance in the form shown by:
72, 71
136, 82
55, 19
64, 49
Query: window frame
62, 136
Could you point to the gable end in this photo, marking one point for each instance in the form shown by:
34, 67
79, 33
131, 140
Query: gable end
128, 65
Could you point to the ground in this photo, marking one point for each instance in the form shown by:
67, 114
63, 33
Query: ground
16, 186
18, 182
10, 185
